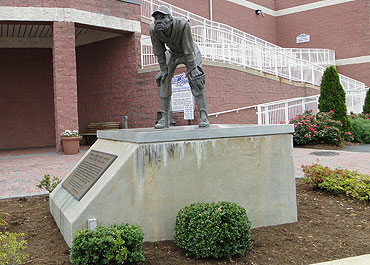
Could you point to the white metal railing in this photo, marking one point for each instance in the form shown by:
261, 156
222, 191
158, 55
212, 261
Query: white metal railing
319, 56
219, 45
323, 57
284, 110
355, 100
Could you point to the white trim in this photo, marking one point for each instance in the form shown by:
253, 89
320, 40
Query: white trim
68, 15
254, 6
353, 60
311, 6
290, 10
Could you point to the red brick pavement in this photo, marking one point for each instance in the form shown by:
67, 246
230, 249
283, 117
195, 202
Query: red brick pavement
359, 161
22, 170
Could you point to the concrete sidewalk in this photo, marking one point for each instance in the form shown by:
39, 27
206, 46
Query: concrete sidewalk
359, 260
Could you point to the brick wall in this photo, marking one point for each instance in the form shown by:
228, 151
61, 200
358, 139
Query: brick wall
359, 72
26, 98
108, 85
282, 4
199, 7
343, 28
349, 36
235, 15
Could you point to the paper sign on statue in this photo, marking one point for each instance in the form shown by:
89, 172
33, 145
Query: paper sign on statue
189, 112
181, 94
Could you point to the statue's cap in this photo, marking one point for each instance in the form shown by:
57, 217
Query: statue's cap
163, 10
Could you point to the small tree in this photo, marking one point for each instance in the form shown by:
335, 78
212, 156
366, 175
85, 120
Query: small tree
366, 107
333, 97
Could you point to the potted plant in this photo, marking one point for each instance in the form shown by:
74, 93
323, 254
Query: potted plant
71, 141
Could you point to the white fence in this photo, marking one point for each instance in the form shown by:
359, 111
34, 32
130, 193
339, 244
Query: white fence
355, 100
284, 110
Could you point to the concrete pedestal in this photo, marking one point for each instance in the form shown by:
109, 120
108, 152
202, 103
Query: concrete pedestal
157, 172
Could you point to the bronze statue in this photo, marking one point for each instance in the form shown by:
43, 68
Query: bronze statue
175, 33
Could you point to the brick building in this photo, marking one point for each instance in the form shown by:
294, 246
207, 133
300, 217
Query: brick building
64, 64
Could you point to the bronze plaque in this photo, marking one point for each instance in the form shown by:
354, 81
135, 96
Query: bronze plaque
88, 172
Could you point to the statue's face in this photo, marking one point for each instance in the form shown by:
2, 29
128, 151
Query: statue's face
162, 22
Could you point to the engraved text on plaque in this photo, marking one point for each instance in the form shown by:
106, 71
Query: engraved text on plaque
88, 172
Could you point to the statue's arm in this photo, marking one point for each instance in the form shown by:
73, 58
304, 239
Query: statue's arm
159, 50
188, 46
189, 51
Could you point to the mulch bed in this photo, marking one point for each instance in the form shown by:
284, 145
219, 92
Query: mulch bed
329, 227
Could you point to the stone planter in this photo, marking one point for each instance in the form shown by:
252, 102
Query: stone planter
71, 145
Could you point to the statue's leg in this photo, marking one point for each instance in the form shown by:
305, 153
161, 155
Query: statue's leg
165, 108
203, 113
165, 93
197, 85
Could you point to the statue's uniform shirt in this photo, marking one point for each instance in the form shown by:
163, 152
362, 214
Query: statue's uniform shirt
181, 46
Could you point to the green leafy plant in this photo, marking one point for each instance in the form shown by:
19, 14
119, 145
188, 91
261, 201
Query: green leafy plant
319, 128
338, 181
333, 97
12, 246
366, 107
361, 128
213, 230
108, 245
49, 183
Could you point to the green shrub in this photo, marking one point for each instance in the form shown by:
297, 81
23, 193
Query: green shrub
366, 107
333, 97
12, 246
213, 230
107, 245
319, 128
361, 130
338, 181
48, 183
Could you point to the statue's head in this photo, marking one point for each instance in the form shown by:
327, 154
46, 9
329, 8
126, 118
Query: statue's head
162, 18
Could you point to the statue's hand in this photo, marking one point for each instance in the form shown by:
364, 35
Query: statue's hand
195, 72
161, 76
196, 78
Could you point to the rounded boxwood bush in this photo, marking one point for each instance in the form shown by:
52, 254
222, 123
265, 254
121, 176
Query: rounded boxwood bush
107, 245
213, 230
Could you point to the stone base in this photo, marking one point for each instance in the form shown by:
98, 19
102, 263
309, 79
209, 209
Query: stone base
157, 172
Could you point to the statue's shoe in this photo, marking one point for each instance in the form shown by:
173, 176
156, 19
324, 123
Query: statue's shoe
162, 123
204, 123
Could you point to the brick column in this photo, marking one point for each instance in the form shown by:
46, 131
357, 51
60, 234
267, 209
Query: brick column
65, 79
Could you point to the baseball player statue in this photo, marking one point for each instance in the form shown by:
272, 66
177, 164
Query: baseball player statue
174, 33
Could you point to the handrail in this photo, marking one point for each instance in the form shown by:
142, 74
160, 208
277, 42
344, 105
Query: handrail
232, 110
